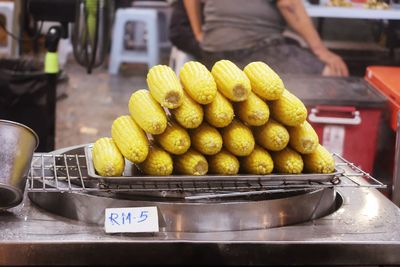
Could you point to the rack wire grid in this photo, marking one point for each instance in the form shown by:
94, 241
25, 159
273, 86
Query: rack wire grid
69, 173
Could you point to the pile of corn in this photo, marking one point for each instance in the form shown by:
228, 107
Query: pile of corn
225, 122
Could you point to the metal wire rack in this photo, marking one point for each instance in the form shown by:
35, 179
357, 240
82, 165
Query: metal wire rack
69, 173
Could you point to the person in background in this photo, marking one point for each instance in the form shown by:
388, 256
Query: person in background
180, 31
253, 31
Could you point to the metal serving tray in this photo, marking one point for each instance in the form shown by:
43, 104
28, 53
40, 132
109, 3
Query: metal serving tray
133, 175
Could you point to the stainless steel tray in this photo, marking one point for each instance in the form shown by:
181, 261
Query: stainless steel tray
132, 175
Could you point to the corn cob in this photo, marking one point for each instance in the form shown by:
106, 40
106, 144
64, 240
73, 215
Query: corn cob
258, 162
303, 138
231, 81
223, 163
219, 113
198, 82
174, 139
190, 114
253, 111
147, 113
272, 135
288, 110
191, 163
107, 159
164, 86
319, 161
158, 162
130, 139
264, 80
238, 139
287, 161
206, 139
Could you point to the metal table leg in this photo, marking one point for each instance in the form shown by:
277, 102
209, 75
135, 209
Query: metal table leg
396, 173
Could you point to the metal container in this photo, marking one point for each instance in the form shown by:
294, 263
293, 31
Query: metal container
205, 216
18, 142
240, 211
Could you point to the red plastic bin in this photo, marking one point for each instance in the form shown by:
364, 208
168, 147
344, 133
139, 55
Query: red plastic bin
345, 112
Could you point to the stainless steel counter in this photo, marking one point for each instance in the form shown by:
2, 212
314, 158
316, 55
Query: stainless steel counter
365, 230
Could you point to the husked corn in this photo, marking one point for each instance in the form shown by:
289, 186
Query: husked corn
107, 159
258, 162
174, 139
157, 163
130, 139
206, 139
146, 112
190, 114
288, 109
238, 139
191, 163
303, 138
219, 113
253, 111
264, 80
198, 82
272, 135
223, 163
231, 81
319, 161
164, 86
287, 161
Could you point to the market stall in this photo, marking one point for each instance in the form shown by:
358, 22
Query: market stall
57, 226
333, 218
223, 166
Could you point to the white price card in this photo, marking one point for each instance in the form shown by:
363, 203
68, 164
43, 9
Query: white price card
131, 220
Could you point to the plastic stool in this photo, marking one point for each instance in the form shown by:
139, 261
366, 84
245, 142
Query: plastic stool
7, 10
118, 52
178, 58
164, 13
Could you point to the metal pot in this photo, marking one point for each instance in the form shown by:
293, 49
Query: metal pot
17, 144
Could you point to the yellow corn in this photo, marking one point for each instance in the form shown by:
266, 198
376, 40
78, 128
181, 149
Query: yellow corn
231, 81
288, 109
191, 163
319, 161
190, 114
303, 138
264, 80
253, 111
206, 139
107, 159
164, 86
238, 139
219, 113
223, 163
146, 112
287, 161
174, 139
258, 162
272, 135
158, 162
130, 139
198, 82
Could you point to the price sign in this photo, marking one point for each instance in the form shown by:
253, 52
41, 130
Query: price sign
131, 220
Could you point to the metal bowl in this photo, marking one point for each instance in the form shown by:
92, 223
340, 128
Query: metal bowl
18, 143
180, 215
